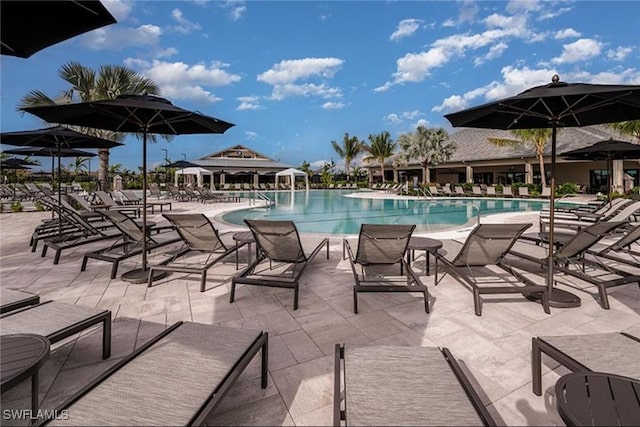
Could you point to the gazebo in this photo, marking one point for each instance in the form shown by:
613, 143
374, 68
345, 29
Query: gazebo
198, 172
292, 173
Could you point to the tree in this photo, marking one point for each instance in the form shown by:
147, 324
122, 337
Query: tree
79, 165
306, 167
537, 137
630, 128
349, 150
425, 145
88, 85
381, 148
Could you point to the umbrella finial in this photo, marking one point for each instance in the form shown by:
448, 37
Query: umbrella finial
555, 78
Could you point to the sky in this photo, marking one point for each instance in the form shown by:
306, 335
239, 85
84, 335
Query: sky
295, 75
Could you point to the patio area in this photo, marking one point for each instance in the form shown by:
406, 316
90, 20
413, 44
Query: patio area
494, 348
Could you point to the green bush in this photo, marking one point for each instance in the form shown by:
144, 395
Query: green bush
39, 206
567, 188
16, 207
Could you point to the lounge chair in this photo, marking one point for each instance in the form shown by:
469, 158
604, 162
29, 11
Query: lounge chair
621, 250
403, 385
546, 193
177, 378
132, 199
523, 192
476, 191
11, 299
616, 353
604, 212
626, 214
446, 190
381, 249
506, 191
57, 321
111, 204
459, 191
277, 242
491, 191
487, 245
433, 190
131, 242
570, 259
198, 236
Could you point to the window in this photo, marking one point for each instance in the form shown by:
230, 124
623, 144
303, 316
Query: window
599, 180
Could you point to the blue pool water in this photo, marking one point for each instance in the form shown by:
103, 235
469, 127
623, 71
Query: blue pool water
329, 211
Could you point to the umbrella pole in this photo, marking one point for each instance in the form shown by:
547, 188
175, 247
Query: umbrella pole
53, 179
59, 191
141, 275
557, 297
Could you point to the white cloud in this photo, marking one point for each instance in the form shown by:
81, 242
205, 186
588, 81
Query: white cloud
421, 122
120, 9
236, 9
523, 6
166, 53
184, 25
183, 81
318, 164
118, 38
249, 103
567, 33
333, 105
406, 28
620, 53
495, 51
286, 77
579, 50
393, 118
250, 135
410, 115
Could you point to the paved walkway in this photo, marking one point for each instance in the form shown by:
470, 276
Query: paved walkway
494, 348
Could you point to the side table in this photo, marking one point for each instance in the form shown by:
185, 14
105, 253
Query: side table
21, 356
244, 238
428, 246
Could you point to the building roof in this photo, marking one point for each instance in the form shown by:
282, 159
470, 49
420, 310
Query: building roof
239, 157
473, 143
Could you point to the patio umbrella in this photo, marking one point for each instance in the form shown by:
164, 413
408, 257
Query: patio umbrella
133, 113
50, 152
58, 138
555, 105
29, 26
181, 164
609, 150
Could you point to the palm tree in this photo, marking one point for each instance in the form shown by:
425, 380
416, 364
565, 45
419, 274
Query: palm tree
381, 148
425, 144
88, 85
79, 165
630, 128
537, 137
349, 150
306, 167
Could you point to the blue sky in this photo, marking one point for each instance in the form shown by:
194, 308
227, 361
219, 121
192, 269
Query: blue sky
295, 75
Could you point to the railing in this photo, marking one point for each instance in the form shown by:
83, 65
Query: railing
426, 193
258, 196
474, 206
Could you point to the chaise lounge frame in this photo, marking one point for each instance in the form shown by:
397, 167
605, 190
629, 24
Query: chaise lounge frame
220, 390
13, 300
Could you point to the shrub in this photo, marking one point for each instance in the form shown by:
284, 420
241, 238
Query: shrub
39, 206
567, 188
16, 207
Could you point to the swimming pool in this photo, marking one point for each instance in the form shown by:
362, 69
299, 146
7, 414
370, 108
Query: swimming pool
329, 211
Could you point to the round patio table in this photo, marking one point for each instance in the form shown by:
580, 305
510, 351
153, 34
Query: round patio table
21, 356
588, 398
428, 246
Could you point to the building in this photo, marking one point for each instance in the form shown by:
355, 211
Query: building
240, 164
476, 160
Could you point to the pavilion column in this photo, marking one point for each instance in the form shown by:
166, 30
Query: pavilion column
256, 179
618, 176
427, 176
469, 169
221, 178
395, 175
528, 173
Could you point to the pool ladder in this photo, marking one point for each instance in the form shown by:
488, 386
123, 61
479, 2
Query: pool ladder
258, 196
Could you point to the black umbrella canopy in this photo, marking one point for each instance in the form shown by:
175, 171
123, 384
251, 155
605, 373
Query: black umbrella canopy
29, 26
611, 149
181, 164
56, 136
49, 152
134, 113
15, 163
558, 103
555, 105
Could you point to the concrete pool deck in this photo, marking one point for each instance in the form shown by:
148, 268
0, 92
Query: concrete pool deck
494, 348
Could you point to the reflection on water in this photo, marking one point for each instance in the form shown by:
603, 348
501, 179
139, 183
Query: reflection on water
330, 212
